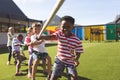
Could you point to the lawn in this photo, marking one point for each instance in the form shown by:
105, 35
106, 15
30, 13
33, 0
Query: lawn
100, 61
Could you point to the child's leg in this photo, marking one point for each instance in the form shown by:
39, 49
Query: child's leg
72, 73
73, 77
49, 64
44, 66
17, 57
10, 54
58, 69
18, 66
49, 67
30, 66
34, 68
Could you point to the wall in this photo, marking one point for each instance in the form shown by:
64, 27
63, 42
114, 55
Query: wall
3, 38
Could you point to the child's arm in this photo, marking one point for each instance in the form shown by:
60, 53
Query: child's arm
10, 36
18, 44
48, 37
78, 51
28, 44
37, 42
77, 56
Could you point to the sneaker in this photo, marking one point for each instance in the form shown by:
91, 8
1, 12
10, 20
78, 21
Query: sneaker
18, 74
8, 63
29, 76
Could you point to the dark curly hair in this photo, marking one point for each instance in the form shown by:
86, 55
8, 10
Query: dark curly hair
68, 19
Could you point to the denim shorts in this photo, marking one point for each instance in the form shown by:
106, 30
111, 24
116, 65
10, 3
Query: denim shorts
59, 67
39, 55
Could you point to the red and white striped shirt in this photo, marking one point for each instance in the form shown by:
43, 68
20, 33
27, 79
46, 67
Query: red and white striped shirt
67, 46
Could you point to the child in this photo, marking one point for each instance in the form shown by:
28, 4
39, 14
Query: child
16, 44
39, 51
10, 36
68, 43
28, 43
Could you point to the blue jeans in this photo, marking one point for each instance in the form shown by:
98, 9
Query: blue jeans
59, 67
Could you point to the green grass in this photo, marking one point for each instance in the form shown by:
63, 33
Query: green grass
100, 61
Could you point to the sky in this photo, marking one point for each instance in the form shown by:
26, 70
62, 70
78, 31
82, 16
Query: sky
85, 12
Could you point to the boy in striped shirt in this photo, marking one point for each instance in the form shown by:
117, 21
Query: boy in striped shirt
68, 43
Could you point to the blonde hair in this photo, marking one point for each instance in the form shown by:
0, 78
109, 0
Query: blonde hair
10, 28
36, 25
29, 29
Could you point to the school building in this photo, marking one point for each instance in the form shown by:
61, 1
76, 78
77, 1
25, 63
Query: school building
11, 15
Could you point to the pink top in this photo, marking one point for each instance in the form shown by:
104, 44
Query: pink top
67, 46
28, 40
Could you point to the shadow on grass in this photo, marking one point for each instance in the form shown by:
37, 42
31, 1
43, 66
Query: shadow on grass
64, 74
79, 77
41, 71
38, 71
22, 74
83, 78
24, 63
26, 70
